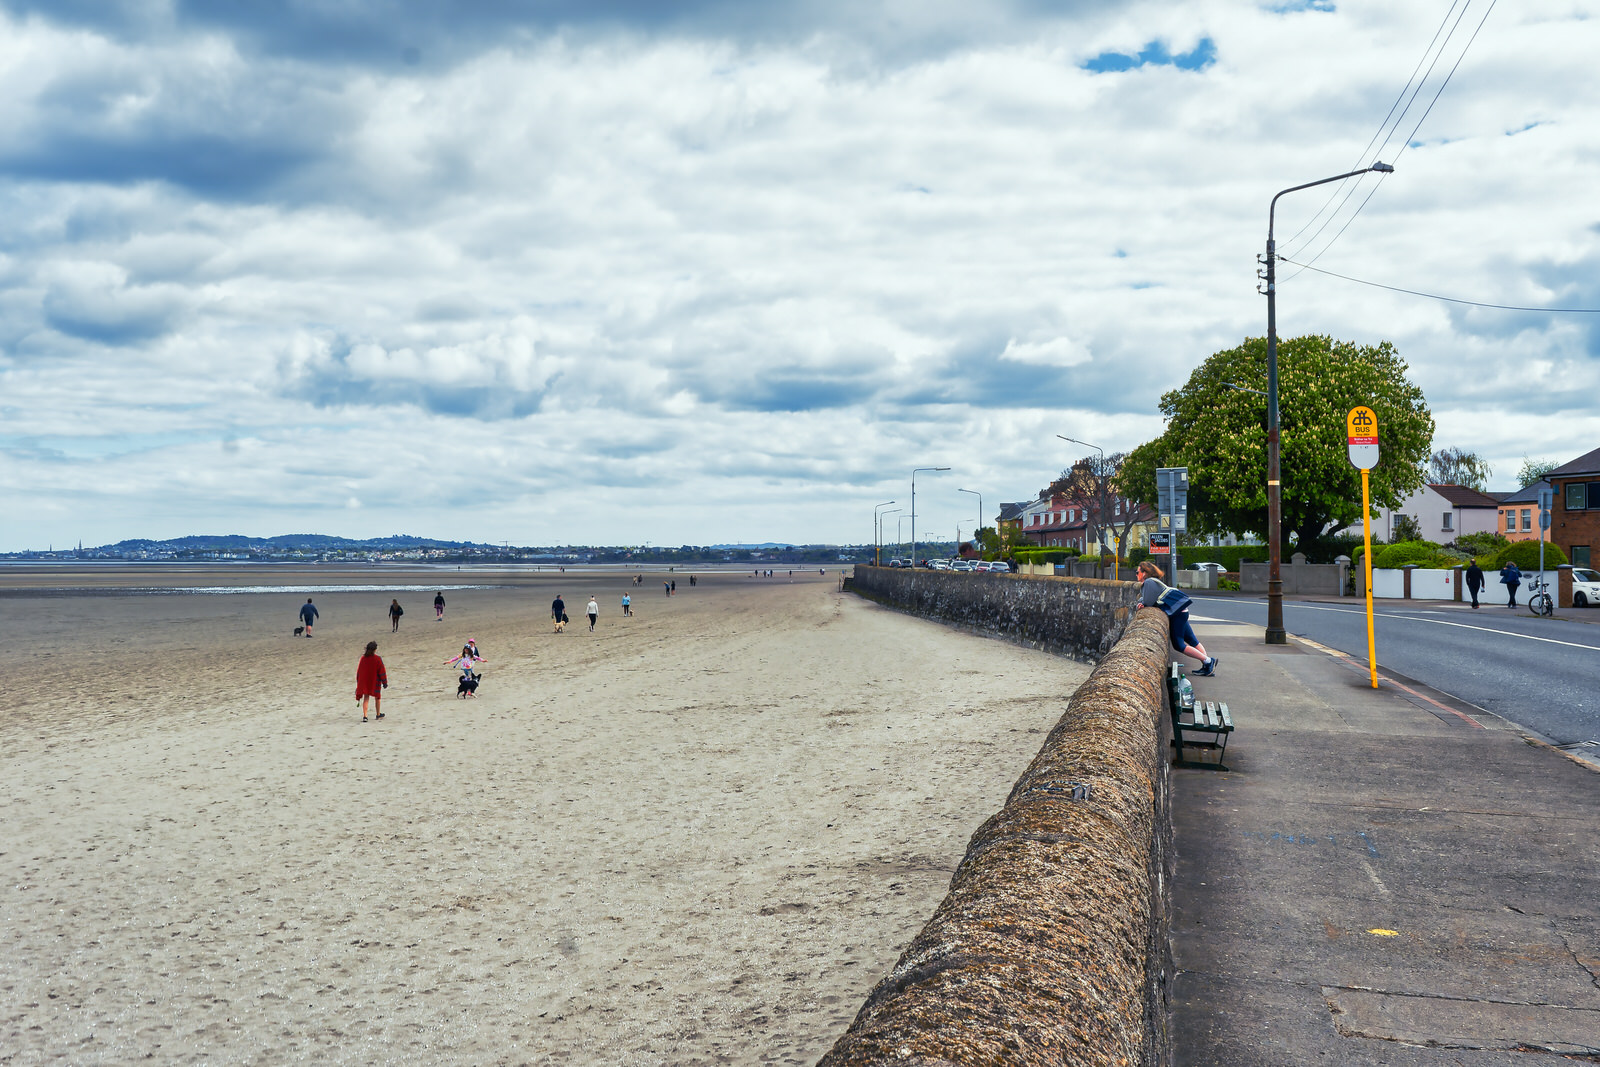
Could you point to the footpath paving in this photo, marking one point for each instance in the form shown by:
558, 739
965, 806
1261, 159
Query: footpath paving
1380, 876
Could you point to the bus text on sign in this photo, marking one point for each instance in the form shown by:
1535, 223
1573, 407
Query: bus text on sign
1361, 431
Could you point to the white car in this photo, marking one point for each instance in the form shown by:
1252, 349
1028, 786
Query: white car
1585, 587
1219, 568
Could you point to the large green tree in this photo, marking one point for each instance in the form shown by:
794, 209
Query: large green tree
1220, 434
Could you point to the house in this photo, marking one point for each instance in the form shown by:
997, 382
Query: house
1575, 511
1443, 513
1065, 522
1518, 519
1010, 518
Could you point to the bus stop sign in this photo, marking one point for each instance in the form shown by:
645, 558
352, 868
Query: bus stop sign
1361, 431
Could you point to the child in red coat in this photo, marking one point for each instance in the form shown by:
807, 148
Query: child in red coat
371, 680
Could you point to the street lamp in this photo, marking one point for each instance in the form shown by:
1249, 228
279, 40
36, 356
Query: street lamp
978, 527
914, 474
1275, 631
879, 557
877, 535
1100, 490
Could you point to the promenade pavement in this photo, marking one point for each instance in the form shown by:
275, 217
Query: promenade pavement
1379, 877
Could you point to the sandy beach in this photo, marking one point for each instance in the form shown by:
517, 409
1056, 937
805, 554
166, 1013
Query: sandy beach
696, 836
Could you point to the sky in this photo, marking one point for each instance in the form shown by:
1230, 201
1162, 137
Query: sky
637, 272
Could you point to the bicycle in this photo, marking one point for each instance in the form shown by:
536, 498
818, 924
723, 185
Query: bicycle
1539, 599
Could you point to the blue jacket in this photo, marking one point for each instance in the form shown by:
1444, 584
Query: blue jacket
308, 611
1509, 575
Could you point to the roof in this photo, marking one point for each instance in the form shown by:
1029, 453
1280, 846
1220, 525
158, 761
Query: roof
1528, 494
1588, 463
1012, 511
1461, 496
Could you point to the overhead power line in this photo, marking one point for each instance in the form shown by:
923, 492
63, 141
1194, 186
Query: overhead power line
1363, 158
1447, 299
1410, 138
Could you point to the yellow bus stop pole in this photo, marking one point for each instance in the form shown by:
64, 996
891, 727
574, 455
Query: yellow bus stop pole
1366, 562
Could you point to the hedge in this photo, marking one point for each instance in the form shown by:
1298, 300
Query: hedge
1229, 556
1525, 554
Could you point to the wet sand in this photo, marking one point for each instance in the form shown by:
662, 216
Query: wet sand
696, 836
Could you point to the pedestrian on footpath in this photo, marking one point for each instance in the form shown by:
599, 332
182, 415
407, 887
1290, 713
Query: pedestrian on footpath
593, 611
371, 680
438, 607
1511, 577
308, 615
395, 611
1155, 593
1474, 581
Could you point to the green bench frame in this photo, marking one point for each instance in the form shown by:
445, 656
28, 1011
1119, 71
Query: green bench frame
1205, 724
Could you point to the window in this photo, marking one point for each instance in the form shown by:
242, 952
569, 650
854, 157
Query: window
1594, 495
1527, 519
1580, 556
1448, 522
1576, 496
1511, 519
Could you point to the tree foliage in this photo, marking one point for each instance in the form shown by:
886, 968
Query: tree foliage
1220, 435
1457, 466
1534, 470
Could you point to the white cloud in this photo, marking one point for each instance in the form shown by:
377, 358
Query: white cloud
636, 272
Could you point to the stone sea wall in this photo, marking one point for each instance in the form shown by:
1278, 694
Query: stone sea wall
1051, 946
1078, 617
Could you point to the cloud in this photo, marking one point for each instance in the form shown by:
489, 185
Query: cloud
689, 264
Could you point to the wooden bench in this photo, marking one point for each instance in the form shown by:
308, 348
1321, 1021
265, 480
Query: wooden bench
1197, 723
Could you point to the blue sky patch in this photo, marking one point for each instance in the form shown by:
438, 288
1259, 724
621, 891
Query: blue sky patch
1155, 53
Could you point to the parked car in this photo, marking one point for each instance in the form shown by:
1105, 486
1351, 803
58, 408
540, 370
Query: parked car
1585, 587
899, 563
938, 564
1219, 568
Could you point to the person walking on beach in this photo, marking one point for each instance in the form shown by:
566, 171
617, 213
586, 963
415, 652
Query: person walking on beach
666, 588
308, 615
1154, 593
371, 680
674, 590
558, 612
627, 606
395, 611
1510, 576
594, 611
1474, 581
438, 607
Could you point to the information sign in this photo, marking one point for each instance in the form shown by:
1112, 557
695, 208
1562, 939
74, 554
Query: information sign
1361, 431
1160, 544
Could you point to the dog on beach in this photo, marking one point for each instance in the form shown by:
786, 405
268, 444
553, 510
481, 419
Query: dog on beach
468, 686
299, 631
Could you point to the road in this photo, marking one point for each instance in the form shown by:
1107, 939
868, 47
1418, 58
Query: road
1540, 673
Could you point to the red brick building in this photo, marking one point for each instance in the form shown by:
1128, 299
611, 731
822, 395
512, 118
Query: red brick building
1575, 512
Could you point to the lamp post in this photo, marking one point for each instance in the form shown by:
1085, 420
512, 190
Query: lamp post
1275, 631
978, 527
877, 534
1100, 490
914, 473
879, 558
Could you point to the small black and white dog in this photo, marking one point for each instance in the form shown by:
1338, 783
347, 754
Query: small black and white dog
468, 686
299, 631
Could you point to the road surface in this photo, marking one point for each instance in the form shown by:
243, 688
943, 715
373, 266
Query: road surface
1540, 673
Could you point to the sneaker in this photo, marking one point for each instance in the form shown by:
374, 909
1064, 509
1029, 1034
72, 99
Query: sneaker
1208, 668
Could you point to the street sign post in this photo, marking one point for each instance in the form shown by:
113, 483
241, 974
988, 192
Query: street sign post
1172, 508
1361, 435
1545, 503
